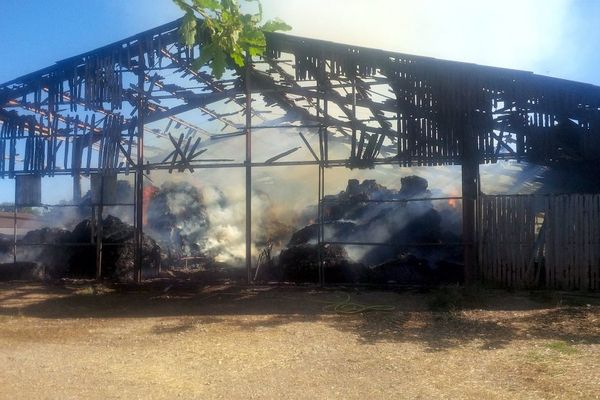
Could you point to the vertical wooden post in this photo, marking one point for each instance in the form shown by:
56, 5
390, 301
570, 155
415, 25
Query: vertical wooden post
470, 192
93, 225
319, 225
15, 227
248, 163
139, 173
322, 223
353, 144
324, 146
320, 257
76, 188
99, 227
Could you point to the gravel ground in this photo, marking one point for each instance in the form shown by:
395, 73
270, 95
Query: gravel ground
78, 341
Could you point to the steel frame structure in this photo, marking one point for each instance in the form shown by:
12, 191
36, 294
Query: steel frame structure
91, 114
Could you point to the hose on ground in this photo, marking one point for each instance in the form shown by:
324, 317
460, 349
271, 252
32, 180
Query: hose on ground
346, 306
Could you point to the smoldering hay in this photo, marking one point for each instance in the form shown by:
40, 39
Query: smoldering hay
208, 221
189, 220
402, 237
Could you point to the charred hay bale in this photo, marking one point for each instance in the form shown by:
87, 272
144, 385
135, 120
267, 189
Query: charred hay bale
51, 253
46, 236
82, 263
371, 188
82, 233
353, 187
424, 228
116, 231
47, 248
336, 208
113, 231
304, 235
416, 240
412, 186
300, 264
6, 244
21, 271
119, 260
352, 202
368, 188
118, 254
406, 269
336, 230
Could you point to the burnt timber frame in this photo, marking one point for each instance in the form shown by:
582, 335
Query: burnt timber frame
89, 114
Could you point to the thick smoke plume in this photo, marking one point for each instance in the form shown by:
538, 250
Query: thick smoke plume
176, 216
191, 220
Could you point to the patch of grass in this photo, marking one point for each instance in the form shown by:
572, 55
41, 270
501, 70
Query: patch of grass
92, 290
562, 347
534, 356
85, 291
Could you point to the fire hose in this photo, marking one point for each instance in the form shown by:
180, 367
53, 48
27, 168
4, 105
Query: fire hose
348, 307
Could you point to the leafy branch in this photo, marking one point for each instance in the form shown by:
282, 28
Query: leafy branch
224, 32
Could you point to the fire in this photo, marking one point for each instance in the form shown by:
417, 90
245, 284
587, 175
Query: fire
149, 192
453, 202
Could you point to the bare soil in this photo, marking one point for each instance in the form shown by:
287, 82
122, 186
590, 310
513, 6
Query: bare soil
165, 341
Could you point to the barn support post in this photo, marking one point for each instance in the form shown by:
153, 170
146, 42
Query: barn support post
319, 212
322, 224
99, 229
248, 166
320, 201
470, 192
15, 210
353, 143
323, 162
320, 230
139, 173
76, 188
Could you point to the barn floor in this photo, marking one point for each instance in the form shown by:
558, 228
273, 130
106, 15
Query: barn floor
77, 341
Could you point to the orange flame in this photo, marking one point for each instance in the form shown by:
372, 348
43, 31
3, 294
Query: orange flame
453, 202
149, 193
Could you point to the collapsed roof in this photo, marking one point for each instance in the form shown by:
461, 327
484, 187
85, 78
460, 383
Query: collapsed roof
90, 112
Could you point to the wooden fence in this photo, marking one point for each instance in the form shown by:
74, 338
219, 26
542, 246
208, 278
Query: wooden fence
548, 241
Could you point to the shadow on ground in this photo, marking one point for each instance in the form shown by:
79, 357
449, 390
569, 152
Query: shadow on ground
438, 319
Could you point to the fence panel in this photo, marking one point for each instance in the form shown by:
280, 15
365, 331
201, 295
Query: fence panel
507, 239
572, 259
551, 241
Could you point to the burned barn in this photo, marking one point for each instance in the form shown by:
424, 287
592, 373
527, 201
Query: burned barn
320, 162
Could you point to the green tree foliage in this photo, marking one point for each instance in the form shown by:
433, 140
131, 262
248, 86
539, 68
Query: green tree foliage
225, 33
